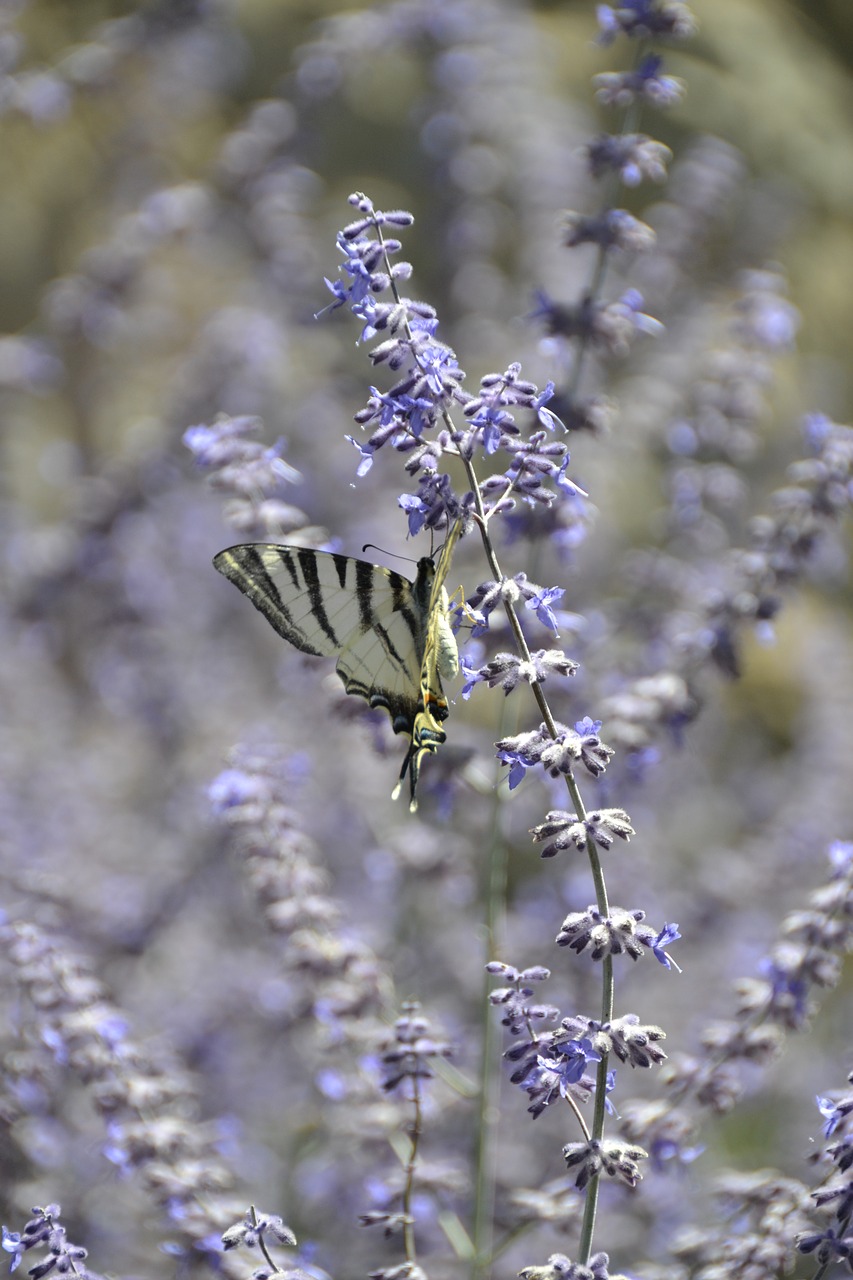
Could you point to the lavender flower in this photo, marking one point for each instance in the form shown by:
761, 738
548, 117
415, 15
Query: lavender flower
508, 671
45, 1231
556, 754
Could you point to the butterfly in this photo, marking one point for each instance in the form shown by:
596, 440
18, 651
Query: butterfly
392, 637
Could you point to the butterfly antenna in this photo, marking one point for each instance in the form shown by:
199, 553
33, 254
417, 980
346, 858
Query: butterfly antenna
372, 546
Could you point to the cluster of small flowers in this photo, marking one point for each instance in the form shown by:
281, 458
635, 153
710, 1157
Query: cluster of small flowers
601, 826
718, 433
148, 1105
45, 1231
485, 598
559, 1267
256, 1230
514, 999
342, 982
808, 955
626, 158
96, 303
508, 670
783, 544
646, 20
647, 707
407, 1054
414, 416
253, 1228
746, 592
834, 1244
338, 982
254, 475
557, 749
763, 1213
606, 327
406, 1059
818, 496
617, 932
551, 1066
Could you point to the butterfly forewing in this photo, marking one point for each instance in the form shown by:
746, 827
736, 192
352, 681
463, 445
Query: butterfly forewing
314, 599
391, 636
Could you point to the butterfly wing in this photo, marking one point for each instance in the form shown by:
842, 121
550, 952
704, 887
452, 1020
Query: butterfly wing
381, 658
335, 606
391, 636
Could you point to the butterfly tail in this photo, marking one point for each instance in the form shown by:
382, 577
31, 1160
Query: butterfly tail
427, 737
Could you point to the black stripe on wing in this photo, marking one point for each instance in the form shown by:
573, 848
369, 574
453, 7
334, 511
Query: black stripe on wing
383, 664
309, 563
288, 585
325, 604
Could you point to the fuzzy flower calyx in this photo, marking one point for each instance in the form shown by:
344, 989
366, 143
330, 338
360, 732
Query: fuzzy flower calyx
44, 1230
508, 670
556, 755
514, 999
645, 83
611, 1156
621, 932
559, 1267
645, 20
632, 1042
488, 595
613, 229
256, 1227
634, 156
406, 1057
601, 826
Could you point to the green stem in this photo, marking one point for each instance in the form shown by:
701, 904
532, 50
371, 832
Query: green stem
490, 1078
261, 1241
411, 1165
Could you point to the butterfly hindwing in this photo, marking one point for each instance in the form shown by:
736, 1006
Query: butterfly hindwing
381, 661
391, 636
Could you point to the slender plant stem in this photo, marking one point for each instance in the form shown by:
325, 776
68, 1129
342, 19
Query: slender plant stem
599, 1114
490, 1079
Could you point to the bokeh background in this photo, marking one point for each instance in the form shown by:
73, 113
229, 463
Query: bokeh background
172, 178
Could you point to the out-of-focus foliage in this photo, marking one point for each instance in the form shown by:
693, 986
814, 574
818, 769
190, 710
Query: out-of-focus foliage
173, 174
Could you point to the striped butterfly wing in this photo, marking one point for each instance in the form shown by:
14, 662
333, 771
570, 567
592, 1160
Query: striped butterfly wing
377, 623
380, 660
